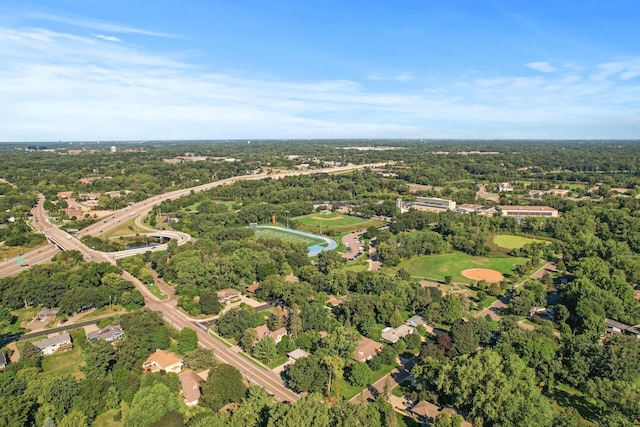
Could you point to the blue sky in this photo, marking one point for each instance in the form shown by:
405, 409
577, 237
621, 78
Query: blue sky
163, 69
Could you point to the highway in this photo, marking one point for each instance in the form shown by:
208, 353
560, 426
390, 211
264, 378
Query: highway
61, 239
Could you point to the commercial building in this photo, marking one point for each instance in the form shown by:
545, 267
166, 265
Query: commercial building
435, 203
524, 211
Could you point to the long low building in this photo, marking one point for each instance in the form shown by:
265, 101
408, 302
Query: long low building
433, 203
524, 211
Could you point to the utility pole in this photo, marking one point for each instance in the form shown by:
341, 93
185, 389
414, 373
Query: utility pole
287, 216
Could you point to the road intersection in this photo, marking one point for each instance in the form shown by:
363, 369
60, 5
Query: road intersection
61, 240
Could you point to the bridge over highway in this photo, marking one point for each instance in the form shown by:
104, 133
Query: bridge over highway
64, 241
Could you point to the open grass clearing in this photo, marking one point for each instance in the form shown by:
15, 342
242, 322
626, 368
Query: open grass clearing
65, 363
437, 267
336, 222
108, 419
127, 228
509, 241
270, 233
333, 219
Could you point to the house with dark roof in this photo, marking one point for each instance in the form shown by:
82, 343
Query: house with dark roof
108, 334
613, 327
53, 344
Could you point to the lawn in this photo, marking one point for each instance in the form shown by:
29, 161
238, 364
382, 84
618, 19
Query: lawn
347, 391
329, 220
107, 419
318, 223
270, 233
405, 421
508, 241
64, 363
155, 290
125, 229
436, 267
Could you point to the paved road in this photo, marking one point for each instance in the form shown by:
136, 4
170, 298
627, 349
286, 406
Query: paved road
272, 382
503, 302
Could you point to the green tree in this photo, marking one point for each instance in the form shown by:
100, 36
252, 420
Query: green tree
446, 420
224, 385
74, 418
335, 365
265, 349
396, 319
308, 375
248, 340
150, 404
99, 360
200, 358
359, 374
187, 340
464, 338
209, 303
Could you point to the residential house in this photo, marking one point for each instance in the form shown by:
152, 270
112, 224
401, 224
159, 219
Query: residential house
277, 335
393, 335
252, 288
47, 313
427, 413
163, 360
64, 194
505, 187
190, 382
113, 193
108, 334
58, 343
3, 361
366, 349
416, 320
88, 196
297, 354
613, 327
228, 295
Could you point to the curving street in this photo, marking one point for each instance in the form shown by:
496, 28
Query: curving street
61, 240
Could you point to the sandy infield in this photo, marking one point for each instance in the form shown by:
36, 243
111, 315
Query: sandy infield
319, 218
483, 274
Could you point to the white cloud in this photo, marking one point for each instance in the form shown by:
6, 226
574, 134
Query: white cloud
107, 38
543, 66
401, 77
93, 24
63, 86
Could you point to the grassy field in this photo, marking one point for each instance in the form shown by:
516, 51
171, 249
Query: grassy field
125, 229
107, 419
336, 222
438, 266
155, 290
270, 233
509, 241
64, 363
329, 220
